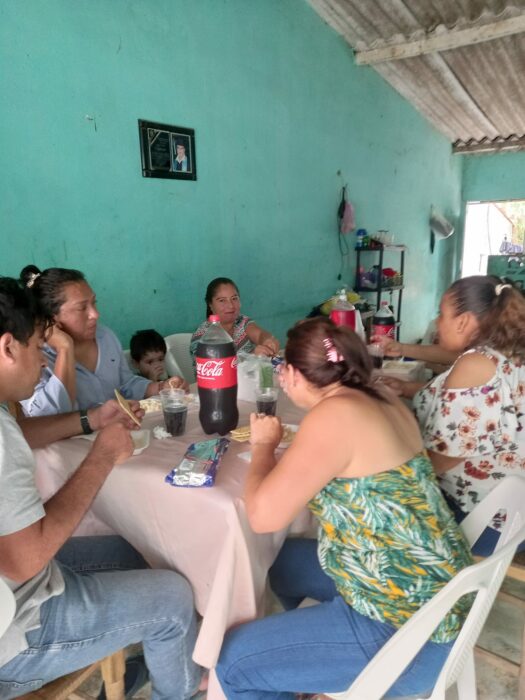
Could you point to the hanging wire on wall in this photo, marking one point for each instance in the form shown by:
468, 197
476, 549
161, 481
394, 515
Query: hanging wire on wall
344, 248
345, 224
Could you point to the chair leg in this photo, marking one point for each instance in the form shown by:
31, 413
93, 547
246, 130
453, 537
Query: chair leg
113, 668
466, 683
521, 676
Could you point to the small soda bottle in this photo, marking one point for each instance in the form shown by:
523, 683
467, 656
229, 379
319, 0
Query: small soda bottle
383, 322
343, 312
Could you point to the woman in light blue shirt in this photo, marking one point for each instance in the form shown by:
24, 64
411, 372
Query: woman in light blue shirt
85, 359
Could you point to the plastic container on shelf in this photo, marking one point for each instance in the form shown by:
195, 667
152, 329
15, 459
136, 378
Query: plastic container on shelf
361, 238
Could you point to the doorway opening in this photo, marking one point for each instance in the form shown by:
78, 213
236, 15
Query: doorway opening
491, 228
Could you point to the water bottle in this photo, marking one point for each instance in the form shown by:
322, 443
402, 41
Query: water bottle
216, 362
343, 312
383, 322
361, 238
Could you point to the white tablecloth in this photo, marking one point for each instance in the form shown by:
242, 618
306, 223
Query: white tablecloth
201, 532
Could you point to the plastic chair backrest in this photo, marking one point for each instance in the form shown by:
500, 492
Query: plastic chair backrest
508, 495
7, 606
484, 579
128, 360
178, 358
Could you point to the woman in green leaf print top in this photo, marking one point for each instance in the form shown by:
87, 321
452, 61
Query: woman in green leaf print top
387, 541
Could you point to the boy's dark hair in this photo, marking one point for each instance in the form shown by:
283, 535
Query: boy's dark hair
18, 312
145, 341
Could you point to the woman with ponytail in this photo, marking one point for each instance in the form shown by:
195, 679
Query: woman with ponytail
387, 541
472, 416
85, 362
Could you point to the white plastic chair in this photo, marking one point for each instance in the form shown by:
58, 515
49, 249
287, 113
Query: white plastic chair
509, 495
178, 359
7, 606
127, 355
483, 579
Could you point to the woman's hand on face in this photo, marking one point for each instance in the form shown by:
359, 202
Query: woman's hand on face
391, 348
59, 340
265, 430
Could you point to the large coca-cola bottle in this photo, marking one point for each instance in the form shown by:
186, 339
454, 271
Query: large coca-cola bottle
217, 380
383, 322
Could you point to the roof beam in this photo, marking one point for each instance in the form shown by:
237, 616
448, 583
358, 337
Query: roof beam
442, 42
513, 143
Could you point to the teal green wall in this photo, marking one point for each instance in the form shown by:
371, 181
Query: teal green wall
494, 177
278, 107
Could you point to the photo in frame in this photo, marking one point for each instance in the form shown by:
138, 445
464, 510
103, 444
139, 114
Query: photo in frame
167, 151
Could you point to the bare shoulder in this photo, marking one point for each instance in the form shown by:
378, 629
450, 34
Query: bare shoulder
470, 370
340, 413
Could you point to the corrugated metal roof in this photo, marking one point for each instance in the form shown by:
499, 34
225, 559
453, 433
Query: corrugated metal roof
475, 93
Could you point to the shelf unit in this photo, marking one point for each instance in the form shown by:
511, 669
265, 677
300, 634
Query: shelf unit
381, 289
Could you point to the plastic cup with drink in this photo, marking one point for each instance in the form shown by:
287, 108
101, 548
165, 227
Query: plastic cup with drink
375, 350
266, 400
175, 410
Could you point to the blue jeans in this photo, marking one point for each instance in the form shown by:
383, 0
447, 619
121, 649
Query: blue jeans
111, 599
312, 650
487, 541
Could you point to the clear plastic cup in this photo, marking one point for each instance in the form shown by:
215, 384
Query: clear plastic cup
266, 400
175, 410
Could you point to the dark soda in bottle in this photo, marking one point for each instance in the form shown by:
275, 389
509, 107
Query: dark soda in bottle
217, 380
384, 322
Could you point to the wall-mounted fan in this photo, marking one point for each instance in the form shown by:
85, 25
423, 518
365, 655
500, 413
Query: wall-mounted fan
440, 227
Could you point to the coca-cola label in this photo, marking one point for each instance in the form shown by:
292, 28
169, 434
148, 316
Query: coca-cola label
217, 374
388, 330
343, 317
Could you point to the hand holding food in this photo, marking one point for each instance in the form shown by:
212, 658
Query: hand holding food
114, 442
175, 383
111, 412
262, 350
272, 344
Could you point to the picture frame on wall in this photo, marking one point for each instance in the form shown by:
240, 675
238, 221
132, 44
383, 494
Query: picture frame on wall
167, 151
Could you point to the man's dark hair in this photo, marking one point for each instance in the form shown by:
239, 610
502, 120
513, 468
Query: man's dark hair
145, 341
18, 311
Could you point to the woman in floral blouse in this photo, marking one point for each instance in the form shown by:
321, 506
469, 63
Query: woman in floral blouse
387, 541
223, 300
472, 416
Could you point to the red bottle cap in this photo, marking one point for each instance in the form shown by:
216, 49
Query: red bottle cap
213, 318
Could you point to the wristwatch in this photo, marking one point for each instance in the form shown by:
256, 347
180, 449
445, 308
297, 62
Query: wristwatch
84, 422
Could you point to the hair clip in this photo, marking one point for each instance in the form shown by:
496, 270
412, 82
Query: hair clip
331, 353
500, 287
33, 276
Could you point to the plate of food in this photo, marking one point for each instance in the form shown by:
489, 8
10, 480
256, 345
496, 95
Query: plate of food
289, 431
242, 434
153, 404
140, 438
